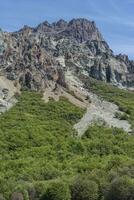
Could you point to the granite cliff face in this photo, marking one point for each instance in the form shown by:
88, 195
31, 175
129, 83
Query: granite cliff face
31, 57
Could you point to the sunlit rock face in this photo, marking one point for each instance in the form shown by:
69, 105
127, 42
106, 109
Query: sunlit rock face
32, 57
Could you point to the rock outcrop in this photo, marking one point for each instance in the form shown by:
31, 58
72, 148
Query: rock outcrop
8, 91
33, 56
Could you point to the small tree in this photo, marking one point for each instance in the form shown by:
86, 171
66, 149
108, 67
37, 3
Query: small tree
57, 191
84, 189
17, 196
120, 189
2, 197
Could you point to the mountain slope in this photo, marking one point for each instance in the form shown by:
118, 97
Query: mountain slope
32, 56
38, 148
50, 74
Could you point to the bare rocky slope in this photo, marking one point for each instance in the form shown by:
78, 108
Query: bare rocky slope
40, 58
31, 56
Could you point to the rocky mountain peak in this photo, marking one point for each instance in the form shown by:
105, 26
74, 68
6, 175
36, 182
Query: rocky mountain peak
83, 30
44, 27
82, 23
60, 24
33, 56
26, 29
79, 29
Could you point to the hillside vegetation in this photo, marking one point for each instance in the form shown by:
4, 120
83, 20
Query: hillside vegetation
42, 158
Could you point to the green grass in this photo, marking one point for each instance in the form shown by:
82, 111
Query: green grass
38, 146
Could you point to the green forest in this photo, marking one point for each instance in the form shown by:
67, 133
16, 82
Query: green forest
41, 157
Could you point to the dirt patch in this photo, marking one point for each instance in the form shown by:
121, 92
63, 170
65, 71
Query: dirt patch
56, 93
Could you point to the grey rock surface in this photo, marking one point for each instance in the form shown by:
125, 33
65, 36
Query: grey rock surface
33, 56
7, 94
101, 111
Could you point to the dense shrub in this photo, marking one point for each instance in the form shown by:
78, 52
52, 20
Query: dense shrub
38, 147
2, 197
120, 189
84, 189
57, 191
17, 196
